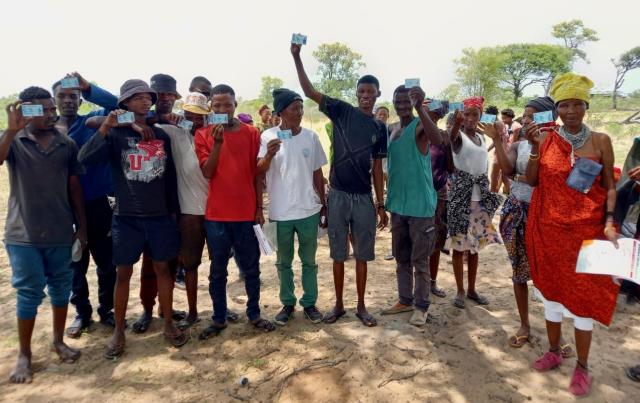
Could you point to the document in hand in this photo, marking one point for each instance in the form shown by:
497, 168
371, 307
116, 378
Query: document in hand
602, 257
265, 247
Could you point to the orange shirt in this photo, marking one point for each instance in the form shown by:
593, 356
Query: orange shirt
232, 195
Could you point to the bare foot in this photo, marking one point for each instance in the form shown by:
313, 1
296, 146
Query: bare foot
22, 371
115, 348
67, 354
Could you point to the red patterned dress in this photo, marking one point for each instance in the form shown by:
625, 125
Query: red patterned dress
560, 218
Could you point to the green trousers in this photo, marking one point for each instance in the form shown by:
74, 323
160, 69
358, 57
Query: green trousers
307, 231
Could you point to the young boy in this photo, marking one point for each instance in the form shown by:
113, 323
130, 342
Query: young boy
45, 201
146, 202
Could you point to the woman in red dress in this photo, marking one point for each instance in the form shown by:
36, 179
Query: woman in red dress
560, 218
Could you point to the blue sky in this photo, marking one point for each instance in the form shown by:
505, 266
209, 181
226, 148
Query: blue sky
240, 41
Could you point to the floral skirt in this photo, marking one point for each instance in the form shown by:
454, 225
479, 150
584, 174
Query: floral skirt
513, 221
481, 232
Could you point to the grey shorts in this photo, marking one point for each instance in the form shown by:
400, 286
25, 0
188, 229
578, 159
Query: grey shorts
351, 213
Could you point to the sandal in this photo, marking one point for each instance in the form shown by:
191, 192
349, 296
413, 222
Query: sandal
580, 382
437, 291
213, 330
264, 325
142, 324
479, 299
178, 339
547, 362
232, 316
114, 352
458, 302
516, 341
176, 315
187, 323
367, 319
78, 326
333, 316
633, 373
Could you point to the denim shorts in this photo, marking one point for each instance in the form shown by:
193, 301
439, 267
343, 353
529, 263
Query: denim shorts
157, 236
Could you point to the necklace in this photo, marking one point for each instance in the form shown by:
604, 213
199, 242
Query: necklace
576, 140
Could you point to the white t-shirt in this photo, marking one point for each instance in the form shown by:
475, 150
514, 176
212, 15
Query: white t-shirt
290, 176
193, 187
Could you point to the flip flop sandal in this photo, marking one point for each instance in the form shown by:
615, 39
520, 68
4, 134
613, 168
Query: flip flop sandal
458, 302
114, 352
187, 323
75, 330
633, 373
479, 299
367, 319
567, 351
142, 324
212, 330
438, 292
333, 316
516, 341
176, 315
264, 325
177, 340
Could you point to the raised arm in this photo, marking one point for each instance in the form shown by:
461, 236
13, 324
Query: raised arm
506, 160
95, 94
264, 163
96, 150
454, 133
211, 164
426, 130
305, 83
536, 138
16, 122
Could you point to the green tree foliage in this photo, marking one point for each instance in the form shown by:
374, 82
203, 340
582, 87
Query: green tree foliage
268, 85
339, 70
4, 101
627, 61
574, 35
522, 65
479, 72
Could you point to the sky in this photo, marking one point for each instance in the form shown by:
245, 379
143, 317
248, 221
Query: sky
237, 42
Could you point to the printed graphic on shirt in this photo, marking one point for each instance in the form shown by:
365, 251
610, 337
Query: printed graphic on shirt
144, 161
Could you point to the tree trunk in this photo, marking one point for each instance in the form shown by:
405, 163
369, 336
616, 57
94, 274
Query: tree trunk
615, 98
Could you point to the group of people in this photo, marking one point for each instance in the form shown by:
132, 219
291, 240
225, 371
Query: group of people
181, 183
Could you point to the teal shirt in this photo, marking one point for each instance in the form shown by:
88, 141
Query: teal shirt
410, 189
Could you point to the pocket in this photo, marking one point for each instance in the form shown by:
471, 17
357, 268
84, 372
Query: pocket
583, 175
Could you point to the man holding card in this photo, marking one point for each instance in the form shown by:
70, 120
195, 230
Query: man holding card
412, 199
97, 186
292, 158
228, 154
146, 202
45, 203
359, 145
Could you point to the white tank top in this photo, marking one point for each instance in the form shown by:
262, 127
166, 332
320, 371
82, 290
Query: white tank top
473, 159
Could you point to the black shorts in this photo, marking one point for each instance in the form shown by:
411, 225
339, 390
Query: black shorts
157, 236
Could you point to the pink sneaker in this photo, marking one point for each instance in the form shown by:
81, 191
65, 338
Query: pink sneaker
547, 362
580, 382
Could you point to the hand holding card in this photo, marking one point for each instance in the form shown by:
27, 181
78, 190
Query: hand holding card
434, 105
126, 117
543, 117
299, 39
456, 106
70, 82
487, 118
185, 124
285, 134
31, 111
218, 118
411, 82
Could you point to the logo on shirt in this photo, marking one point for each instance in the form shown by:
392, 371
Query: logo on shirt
374, 139
144, 161
306, 152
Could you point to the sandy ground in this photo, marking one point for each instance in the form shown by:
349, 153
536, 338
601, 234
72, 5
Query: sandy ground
460, 356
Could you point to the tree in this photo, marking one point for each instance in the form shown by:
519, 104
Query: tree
268, 85
627, 61
339, 70
527, 64
479, 72
574, 35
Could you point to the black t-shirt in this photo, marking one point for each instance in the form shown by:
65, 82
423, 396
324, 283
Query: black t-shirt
144, 174
357, 138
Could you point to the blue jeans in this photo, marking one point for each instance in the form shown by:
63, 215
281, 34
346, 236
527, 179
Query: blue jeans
34, 268
221, 237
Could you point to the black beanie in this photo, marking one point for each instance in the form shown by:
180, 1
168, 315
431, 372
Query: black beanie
282, 98
542, 104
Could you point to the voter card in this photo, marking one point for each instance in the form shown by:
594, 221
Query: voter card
487, 118
126, 117
31, 111
185, 124
543, 117
299, 39
218, 118
411, 82
456, 106
70, 82
285, 134
434, 105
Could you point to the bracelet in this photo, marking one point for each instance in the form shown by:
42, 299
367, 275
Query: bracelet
609, 214
534, 157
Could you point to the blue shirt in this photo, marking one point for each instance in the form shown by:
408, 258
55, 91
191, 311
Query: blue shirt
96, 182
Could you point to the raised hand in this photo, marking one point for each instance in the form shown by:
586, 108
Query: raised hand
490, 130
83, 84
634, 173
295, 49
16, 121
218, 134
532, 134
416, 95
273, 147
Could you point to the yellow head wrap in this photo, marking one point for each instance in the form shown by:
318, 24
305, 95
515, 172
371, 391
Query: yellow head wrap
570, 86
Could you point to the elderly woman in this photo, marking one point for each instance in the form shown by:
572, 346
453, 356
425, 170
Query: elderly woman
471, 203
513, 161
571, 168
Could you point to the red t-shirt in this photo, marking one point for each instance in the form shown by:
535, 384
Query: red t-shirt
232, 195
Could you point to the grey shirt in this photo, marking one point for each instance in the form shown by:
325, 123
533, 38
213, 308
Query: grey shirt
39, 211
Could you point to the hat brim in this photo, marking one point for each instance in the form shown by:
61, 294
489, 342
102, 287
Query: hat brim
195, 109
134, 91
